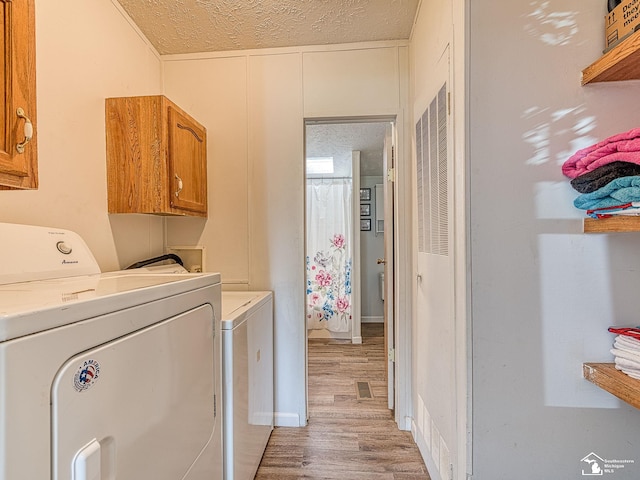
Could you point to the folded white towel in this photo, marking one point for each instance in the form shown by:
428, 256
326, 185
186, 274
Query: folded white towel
631, 373
623, 347
632, 210
626, 354
629, 342
628, 364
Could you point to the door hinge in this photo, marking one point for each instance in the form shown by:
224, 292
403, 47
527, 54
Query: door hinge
391, 174
449, 103
215, 406
392, 354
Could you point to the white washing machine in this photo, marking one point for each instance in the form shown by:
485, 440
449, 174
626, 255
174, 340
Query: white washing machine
247, 376
104, 376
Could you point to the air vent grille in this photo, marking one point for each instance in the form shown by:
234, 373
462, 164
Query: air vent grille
433, 178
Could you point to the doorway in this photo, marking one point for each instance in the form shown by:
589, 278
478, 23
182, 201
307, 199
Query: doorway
349, 205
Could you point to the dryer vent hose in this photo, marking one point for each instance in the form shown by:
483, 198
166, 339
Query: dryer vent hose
149, 261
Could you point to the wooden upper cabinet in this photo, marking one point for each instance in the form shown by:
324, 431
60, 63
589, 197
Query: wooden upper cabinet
18, 138
156, 158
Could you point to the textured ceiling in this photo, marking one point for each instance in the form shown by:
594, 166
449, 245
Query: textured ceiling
195, 26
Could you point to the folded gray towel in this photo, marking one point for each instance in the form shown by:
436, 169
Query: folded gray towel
598, 178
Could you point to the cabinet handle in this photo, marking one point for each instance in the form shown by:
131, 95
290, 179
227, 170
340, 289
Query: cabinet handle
179, 185
191, 130
28, 130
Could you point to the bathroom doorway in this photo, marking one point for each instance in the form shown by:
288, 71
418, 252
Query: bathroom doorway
346, 230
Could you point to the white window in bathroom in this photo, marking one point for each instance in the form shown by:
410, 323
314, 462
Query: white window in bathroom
319, 165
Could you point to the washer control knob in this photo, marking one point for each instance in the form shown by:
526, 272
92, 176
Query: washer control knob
64, 248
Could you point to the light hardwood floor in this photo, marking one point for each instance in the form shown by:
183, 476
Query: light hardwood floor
346, 438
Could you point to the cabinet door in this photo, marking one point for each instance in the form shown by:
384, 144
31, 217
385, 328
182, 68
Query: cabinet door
18, 153
187, 163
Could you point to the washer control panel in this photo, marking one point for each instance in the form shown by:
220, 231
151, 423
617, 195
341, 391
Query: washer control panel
64, 247
41, 253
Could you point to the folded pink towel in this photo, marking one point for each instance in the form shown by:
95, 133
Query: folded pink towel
623, 147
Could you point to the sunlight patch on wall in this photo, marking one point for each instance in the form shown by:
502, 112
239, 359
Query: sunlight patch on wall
551, 27
575, 315
554, 200
567, 126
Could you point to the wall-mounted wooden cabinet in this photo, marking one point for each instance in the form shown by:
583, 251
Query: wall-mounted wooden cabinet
156, 158
18, 149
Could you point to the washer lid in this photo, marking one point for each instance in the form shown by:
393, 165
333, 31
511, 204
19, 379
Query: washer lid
31, 307
232, 301
237, 305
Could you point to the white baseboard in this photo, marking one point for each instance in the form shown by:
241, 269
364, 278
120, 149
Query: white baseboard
371, 319
327, 334
281, 419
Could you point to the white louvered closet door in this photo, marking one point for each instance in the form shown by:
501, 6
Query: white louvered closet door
434, 345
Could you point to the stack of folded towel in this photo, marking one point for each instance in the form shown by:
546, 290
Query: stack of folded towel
607, 174
626, 350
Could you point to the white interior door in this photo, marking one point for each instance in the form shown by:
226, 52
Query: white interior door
356, 292
388, 161
435, 327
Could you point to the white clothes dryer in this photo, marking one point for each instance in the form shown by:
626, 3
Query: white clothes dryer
104, 376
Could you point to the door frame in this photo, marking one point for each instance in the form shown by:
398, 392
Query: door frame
402, 255
356, 292
388, 260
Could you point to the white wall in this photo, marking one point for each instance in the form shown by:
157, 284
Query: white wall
85, 52
371, 248
254, 104
544, 293
358, 81
276, 179
214, 91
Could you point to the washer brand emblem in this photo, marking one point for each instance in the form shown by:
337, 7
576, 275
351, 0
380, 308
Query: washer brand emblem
86, 375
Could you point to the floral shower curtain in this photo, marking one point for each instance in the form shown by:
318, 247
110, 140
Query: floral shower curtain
329, 221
